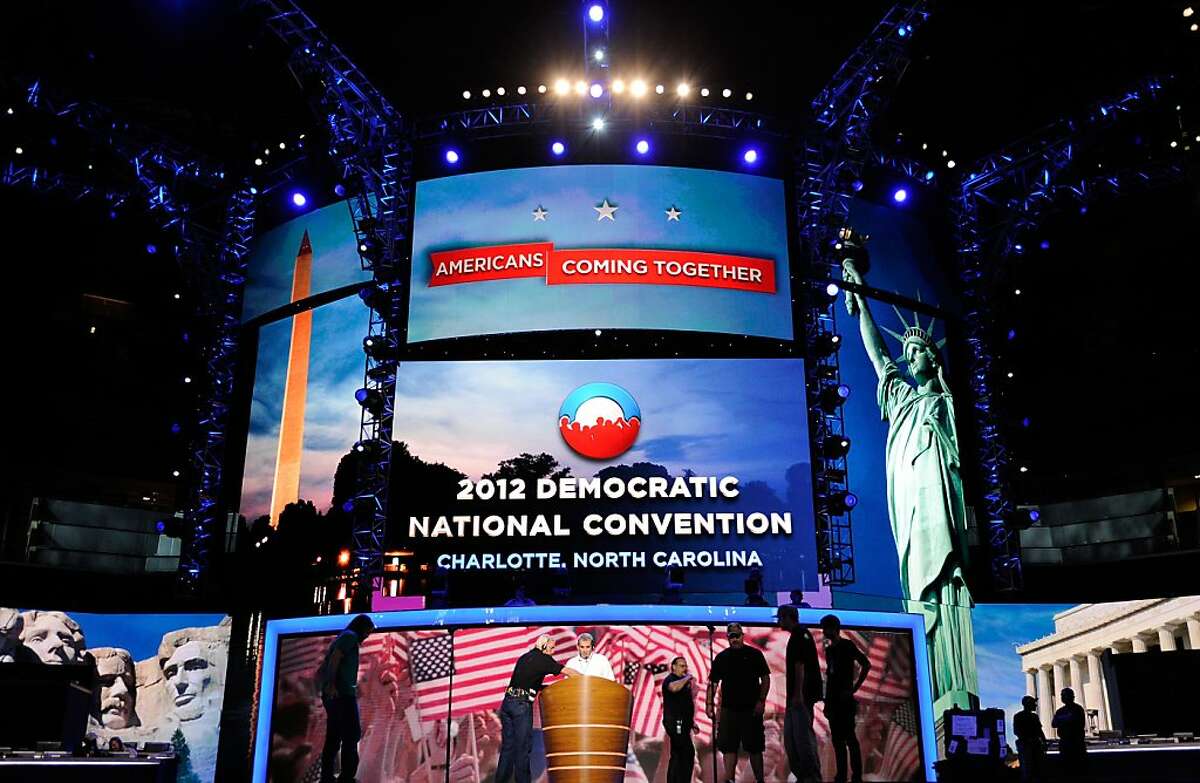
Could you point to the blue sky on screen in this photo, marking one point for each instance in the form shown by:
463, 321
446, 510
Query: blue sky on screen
722, 213
273, 258
331, 417
998, 627
138, 633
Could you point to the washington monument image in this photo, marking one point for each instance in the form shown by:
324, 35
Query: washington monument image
924, 488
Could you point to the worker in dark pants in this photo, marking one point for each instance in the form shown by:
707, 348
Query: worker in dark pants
1071, 723
338, 679
1031, 741
516, 711
841, 707
679, 720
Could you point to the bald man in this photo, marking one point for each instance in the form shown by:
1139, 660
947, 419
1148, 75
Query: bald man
516, 711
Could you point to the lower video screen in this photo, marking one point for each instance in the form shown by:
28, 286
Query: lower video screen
410, 711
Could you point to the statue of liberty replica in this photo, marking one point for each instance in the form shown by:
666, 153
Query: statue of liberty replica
924, 488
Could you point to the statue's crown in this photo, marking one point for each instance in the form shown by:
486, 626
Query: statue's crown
916, 333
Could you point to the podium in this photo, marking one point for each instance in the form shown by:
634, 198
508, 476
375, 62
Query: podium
585, 726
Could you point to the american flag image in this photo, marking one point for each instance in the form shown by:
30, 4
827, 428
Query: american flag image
647, 698
431, 662
901, 751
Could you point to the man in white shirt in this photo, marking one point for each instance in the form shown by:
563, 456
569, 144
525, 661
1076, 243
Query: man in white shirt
588, 661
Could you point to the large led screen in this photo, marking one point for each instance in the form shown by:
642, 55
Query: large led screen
614, 246
161, 676
410, 712
621, 468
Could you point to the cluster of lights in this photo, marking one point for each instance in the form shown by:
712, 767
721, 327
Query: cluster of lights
641, 146
1187, 14
562, 87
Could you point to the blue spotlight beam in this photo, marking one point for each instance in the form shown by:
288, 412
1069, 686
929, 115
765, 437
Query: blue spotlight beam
1001, 198
372, 142
827, 167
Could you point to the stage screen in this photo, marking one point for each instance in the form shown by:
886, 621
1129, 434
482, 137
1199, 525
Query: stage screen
162, 676
700, 464
607, 247
409, 711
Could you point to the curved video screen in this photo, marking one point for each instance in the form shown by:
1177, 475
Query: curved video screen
417, 718
599, 246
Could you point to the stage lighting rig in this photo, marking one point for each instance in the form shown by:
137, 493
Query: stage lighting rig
833, 397
825, 344
379, 348
835, 446
370, 399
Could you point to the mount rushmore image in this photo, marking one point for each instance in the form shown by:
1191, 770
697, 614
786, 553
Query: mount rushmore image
178, 688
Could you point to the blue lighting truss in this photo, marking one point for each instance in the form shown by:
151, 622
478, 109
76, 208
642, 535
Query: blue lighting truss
1001, 198
372, 143
827, 166
159, 169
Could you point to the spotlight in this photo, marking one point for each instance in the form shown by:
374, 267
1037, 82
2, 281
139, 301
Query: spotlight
298, 198
900, 195
642, 146
452, 156
660, 89
1188, 11
1024, 518
187, 379
856, 185
598, 124
826, 344
558, 148
1045, 244
839, 503
599, 55
750, 156
343, 558
725, 93
835, 447
562, 87
703, 92
929, 175
618, 86
257, 161
521, 90
541, 89
950, 164
749, 96
175, 473
638, 88
151, 249
379, 349
466, 95
682, 90
486, 93
370, 399
596, 90
832, 397
283, 145
832, 290
596, 13
499, 90
581, 87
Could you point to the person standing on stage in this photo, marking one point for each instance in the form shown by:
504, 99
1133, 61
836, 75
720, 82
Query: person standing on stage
338, 680
841, 683
802, 676
1071, 723
588, 661
679, 720
1031, 740
745, 682
516, 711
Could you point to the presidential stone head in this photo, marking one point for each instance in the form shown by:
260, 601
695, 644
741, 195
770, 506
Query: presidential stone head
188, 673
53, 636
118, 687
10, 634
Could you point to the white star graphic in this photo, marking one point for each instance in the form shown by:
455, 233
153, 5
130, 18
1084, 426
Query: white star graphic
540, 214
606, 211
673, 214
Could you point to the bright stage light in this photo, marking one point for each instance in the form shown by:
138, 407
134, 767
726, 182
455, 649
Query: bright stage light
900, 196
283, 145
749, 96
598, 124
257, 161
558, 148
638, 88
175, 473
725, 93
833, 397
596, 13
562, 87
187, 379
343, 558
151, 248
929, 175
521, 90
486, 93
596, 90
703, 92
660, 89
642, 146
581, 87
950, 164
682, 90
832, 290
618, 86
452, 156
499, 90
466, 95
599, 55
1188, 11
20, 151
298, 198
541, 89
750, 156
1194, 27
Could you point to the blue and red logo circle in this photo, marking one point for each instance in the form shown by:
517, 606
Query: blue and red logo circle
599, 420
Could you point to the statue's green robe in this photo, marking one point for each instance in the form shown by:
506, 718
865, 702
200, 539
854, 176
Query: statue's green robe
925, 505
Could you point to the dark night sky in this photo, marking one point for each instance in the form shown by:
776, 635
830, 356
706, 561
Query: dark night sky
1106, 359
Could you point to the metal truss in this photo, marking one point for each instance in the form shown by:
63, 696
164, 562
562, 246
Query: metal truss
368, 137
826, 171
159, 169
517, 118
1002, 197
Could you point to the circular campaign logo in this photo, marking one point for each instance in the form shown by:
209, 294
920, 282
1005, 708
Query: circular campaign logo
599, 420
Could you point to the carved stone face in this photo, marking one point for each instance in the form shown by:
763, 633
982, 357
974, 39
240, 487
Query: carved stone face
55, 637
117, 689
189, 674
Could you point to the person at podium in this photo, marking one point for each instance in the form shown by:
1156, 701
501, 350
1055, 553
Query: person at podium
516, 711
588, 661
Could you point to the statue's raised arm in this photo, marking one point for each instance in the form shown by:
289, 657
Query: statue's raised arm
856, 305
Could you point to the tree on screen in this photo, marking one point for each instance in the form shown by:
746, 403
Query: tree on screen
530, 467
185, 772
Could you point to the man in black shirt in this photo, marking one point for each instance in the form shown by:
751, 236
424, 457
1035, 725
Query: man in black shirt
1071, 723
745, 681
802, 676
1031, 740
516, 711
841, 683
678, 720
